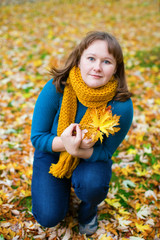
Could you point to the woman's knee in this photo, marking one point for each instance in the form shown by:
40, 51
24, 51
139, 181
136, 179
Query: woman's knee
91, 186
92, 193
49, 218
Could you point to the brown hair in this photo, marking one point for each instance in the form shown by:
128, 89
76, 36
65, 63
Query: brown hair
114, 48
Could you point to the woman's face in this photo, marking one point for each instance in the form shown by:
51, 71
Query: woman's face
97, 65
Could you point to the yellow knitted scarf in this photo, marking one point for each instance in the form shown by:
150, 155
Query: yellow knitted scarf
89, 97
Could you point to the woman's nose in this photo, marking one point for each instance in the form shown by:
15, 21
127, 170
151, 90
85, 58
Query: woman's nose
97, 66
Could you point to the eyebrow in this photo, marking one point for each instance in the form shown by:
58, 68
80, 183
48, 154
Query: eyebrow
88, 54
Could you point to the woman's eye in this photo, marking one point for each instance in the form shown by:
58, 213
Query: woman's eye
106, 61
91, 58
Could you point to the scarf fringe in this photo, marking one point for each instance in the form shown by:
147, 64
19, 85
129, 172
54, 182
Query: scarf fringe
65, 166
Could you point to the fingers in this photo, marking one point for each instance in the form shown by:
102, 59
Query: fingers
88, 140
73, 132
84, 131
70, 130
71, 138
78, 133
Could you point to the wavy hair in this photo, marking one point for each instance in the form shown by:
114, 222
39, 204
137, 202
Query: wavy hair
60, 75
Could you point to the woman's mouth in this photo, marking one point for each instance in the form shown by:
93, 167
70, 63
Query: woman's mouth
96, 76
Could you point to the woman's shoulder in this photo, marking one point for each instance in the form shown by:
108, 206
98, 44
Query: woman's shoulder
128, 103
50, 89
49, 86
49, 95
120, 108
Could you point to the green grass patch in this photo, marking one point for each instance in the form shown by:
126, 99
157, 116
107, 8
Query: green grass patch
104, 216
149, 58
2, 237
26, 203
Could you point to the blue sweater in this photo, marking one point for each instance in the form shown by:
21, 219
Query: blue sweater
45, 122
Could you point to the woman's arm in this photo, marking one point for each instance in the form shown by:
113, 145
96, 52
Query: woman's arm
57, 145
45, 110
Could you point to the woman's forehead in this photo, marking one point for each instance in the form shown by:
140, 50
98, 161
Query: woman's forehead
98, 47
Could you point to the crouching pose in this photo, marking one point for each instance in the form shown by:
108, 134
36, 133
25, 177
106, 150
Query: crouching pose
92, 78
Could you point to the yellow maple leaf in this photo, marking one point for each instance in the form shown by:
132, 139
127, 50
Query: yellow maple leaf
123, 197
37, 63
143, 228
157, 101
113, 202
141, 172
104, 237
2, 167
137, 206
132, 151
102, 123
123, 212
156, 168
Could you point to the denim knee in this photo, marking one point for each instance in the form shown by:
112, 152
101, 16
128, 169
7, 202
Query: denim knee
49, 218
91, 182
91, 192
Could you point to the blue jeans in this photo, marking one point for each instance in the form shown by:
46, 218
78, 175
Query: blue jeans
51, 196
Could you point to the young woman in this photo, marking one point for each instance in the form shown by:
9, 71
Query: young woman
92, 77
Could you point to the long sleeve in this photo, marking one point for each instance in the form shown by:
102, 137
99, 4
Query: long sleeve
104, 151
47, 105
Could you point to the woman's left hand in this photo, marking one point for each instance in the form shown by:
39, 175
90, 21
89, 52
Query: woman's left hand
87, 143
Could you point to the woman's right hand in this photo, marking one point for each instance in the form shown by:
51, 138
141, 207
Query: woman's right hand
71, 138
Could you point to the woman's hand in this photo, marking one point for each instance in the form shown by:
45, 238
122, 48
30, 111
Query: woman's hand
86, 143
72, 141
71, 138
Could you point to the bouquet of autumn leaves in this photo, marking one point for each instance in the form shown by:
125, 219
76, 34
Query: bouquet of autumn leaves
101, 122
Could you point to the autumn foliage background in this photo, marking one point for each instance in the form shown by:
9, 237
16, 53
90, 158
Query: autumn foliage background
35, 35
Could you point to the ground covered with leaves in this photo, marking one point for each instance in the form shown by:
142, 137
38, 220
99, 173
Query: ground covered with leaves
32, 37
